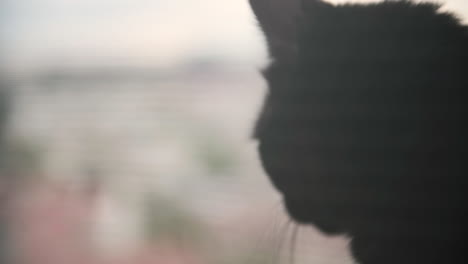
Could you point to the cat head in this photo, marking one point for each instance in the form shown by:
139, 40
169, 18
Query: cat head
363, 126
356, 131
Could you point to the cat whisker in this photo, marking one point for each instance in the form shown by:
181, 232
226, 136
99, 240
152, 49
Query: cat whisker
293, 243
261, 250
280, 242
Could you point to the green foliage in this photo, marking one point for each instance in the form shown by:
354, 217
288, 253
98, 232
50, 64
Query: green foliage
20, 159
216, 157
250, 257
167, 220
3, 119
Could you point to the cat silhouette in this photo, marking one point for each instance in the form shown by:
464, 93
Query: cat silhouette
363, 128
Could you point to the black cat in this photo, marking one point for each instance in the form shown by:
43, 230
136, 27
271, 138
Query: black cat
363, 129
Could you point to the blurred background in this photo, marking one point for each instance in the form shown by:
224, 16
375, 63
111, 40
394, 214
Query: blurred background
125, 137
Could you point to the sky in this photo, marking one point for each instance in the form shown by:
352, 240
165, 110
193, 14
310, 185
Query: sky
158, 32
162, 33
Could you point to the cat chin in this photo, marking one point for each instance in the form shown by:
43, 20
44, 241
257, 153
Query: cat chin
322, 217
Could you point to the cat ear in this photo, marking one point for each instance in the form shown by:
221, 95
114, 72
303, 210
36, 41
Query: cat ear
279, 21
